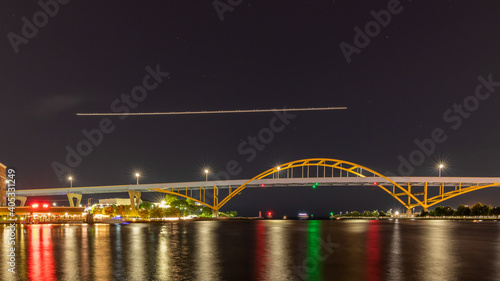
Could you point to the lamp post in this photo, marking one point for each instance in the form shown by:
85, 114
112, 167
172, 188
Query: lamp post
278, 168
137, 175
441, 166
206, 174
71, 181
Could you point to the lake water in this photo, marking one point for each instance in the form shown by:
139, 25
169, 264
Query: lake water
257, 250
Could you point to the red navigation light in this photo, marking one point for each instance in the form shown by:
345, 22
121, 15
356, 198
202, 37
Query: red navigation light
34, 206
375, 183
269, 213
262, 185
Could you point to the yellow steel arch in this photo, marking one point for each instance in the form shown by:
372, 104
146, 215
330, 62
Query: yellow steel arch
454, 193
349, 167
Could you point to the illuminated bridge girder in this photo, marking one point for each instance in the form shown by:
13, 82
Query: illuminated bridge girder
335, 165
325, 172
360, 175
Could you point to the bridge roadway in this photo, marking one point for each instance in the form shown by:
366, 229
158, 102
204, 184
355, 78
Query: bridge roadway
281, 182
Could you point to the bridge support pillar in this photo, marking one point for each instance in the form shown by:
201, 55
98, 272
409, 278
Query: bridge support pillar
408, 213
22, 199
137, 195
78, 199
89, 218
215, 214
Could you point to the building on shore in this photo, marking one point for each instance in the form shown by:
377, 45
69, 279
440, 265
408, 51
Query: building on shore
3, 185
115, 201
38, 213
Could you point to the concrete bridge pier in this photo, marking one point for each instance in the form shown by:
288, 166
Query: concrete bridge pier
408, 213
89, 218
215, 214
137, 195
22, 199
78, 199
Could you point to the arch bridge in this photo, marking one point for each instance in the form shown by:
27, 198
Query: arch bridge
409, 191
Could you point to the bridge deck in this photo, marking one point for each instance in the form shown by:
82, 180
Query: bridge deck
282, 182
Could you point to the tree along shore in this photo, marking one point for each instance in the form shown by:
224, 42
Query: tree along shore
478, 211
171, 207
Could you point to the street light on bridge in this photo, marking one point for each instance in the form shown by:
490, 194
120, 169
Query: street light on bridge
70, 181
278, 168
206, 174
137, 175
441, 166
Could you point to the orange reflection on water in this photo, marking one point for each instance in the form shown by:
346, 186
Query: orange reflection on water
40, 253
136, 269
85, 269
102, 266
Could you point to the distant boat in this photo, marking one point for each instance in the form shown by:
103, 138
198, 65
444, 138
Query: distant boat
116, 220
303, 216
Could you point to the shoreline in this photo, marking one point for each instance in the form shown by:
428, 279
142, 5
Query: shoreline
474, 219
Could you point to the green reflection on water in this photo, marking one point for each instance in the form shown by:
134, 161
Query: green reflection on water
312, 266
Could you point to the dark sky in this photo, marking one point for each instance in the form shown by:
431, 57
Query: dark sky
264, 54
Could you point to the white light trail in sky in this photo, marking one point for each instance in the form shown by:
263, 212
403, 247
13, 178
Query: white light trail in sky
211, 112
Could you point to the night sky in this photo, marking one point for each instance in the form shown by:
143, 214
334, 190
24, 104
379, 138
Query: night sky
417, 74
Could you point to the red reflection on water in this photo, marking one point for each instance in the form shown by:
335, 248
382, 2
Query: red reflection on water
40, 254
260, 251
373, 265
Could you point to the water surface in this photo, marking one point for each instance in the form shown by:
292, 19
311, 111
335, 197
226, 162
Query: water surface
257, 250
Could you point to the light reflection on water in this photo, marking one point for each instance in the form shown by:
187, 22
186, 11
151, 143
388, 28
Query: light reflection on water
41, 253
207, 258
278, 255
163, 254
70, 255
496, 260
137, 245
440, 251
373, 252
257, 250
102, 254
396, 257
